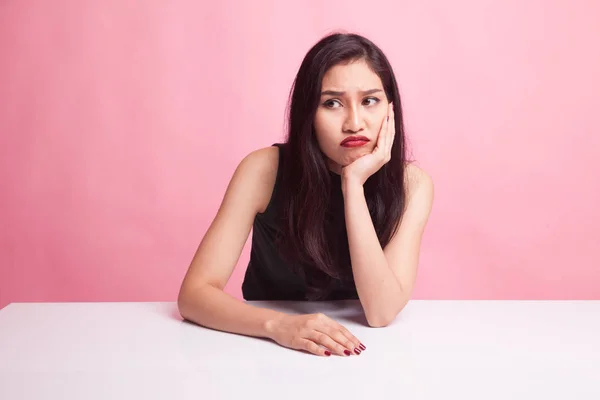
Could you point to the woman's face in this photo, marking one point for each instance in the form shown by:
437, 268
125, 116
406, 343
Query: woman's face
353, 103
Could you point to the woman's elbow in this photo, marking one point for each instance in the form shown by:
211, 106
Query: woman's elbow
181, 305
379, 321
385, 318
185, 303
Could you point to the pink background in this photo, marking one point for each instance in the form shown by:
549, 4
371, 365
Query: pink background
121, 123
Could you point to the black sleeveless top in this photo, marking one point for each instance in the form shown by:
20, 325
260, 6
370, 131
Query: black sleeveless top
268, 276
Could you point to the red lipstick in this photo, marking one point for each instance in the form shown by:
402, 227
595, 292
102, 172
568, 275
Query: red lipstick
354, 141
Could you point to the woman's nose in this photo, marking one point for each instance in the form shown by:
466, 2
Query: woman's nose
353, 122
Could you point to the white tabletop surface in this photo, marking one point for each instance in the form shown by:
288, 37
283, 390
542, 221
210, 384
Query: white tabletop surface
433, 350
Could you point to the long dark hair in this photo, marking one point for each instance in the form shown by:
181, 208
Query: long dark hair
306, 184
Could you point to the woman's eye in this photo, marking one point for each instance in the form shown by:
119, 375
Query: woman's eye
372, 100
331, 103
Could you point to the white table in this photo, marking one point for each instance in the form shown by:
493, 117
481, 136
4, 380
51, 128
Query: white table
434, 350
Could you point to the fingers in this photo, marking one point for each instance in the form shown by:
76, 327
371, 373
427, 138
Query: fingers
338, 339
324, 336
353, 339
385, 138
349, 343
312, 347
336, 346
382, 136
391, 131
390, 117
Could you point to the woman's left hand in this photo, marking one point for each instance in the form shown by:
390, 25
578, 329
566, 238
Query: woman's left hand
362, 168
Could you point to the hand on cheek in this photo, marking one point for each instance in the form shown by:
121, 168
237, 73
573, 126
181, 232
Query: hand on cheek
362, 168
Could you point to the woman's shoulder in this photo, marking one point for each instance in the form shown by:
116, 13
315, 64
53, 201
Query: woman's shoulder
417, 180
419, 193
265, 159
260, 167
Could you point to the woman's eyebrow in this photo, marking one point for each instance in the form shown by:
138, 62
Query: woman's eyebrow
336, 93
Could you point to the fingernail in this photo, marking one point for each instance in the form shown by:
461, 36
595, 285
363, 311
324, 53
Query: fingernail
347, 352
327, 353
357, 351
362, 347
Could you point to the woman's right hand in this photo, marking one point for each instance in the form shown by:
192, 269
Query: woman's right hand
314, 333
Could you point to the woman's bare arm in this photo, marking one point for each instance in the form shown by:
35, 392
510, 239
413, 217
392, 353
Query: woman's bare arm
201, 297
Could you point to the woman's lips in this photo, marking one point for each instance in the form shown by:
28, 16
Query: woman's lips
354, 141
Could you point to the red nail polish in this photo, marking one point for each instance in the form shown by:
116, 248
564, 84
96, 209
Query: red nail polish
327, 353
347, 352
357, 351
362, 347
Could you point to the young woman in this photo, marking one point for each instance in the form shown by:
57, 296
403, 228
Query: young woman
337, 211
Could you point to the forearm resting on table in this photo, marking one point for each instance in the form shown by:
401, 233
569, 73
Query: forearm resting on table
213, 308
379, 290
